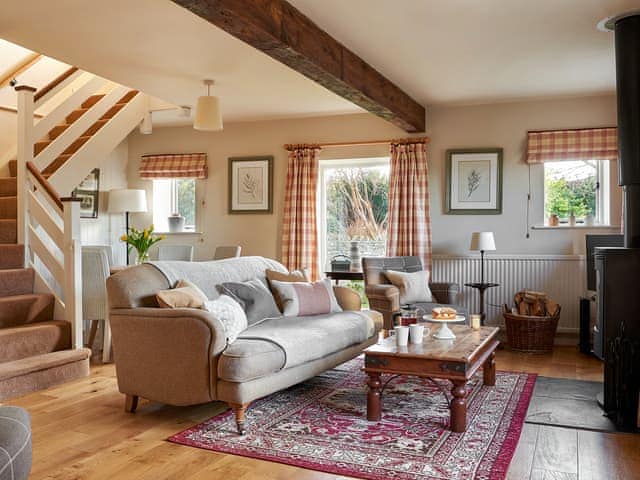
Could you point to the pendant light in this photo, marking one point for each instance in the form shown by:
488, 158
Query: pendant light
208, 115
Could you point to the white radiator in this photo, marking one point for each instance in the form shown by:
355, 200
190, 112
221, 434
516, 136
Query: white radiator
563, 277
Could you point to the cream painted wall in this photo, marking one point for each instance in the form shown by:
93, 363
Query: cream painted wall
8, 139
497, 125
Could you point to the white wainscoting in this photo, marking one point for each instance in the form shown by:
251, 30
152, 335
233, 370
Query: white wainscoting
562, 277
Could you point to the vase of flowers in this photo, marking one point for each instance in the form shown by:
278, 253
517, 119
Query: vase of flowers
141, 241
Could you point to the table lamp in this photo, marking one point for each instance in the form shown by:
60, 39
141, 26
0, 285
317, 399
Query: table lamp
127, 200
482, 241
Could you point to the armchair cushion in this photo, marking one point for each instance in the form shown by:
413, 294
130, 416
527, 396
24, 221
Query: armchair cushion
254, 297
413, 286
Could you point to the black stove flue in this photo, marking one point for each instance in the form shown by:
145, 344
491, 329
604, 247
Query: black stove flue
618, 269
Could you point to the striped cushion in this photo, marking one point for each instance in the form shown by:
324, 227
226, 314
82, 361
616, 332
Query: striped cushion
304, 298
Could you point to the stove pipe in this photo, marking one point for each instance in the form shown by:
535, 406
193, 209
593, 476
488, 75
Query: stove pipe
627, 39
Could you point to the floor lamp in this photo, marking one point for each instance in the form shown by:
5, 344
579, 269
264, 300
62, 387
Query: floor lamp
482, 241
127, 200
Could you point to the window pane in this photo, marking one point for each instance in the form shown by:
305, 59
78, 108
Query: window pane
186, 201
161, 204
570, 187
356, 200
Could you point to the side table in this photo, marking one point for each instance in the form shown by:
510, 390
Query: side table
348, 275
481, 287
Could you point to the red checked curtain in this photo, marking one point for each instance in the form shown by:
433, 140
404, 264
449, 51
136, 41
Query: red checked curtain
174, 165
409, 231
299, 229
581, 144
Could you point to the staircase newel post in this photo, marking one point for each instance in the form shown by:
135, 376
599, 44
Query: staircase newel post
25, 154
73, 269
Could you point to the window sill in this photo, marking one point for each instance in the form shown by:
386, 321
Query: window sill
576, 227
177, 233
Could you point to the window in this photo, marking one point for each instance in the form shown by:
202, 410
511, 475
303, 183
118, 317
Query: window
174, 195
353, 201
577, 187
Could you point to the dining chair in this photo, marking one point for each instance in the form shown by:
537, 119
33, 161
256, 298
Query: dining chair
231, 251
175, 252
95, 270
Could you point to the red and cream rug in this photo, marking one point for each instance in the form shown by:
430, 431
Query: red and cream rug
321, 424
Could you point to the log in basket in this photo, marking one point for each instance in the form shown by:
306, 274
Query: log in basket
532, 324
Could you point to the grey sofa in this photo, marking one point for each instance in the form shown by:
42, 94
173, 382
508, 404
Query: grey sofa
385, 298
180, 356
15, 443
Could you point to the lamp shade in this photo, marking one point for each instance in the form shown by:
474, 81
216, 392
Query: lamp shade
208, 116
127, 200
482, 241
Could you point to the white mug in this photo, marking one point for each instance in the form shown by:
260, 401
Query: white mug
416, 332
402, 336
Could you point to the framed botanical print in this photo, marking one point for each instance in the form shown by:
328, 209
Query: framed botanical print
474, 182
88, 192
251, 184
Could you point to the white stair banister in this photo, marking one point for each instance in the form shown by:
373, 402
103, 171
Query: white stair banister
25, 154
72, 251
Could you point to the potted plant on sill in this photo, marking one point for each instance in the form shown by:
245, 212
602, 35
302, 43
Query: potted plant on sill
141, 241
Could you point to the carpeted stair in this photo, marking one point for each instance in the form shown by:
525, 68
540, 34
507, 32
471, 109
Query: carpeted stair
35, 349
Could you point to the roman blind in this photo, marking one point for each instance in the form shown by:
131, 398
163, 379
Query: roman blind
578, 144
174, 165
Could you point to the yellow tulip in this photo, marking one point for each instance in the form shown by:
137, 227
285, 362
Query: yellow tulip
123, 238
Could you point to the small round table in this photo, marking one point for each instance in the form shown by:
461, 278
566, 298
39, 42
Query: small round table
481, 287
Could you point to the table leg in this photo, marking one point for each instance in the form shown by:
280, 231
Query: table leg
459, 406
489, 370
374, 397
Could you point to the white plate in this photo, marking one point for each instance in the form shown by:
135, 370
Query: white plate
429, 318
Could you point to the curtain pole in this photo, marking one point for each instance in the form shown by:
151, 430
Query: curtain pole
357, 144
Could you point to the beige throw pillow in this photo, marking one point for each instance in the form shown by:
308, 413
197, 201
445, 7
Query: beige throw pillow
295, 276
184, 295
413, 286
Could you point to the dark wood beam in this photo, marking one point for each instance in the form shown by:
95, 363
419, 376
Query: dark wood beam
281, 31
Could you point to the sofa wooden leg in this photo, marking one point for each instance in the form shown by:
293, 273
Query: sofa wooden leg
130, 403
239, 410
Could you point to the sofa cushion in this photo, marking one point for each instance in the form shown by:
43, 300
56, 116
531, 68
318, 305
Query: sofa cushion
186, 294
413, 286
230, 314
304, 298
247, 359
300, 339
254, 297
295, 276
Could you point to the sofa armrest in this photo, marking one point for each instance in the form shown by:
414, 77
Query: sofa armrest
347, 298
167, 354
445, 292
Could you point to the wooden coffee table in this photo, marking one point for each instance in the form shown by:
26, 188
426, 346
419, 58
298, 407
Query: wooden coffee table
456, 360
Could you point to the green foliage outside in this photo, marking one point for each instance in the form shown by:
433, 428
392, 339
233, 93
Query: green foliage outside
187, 200
565, 197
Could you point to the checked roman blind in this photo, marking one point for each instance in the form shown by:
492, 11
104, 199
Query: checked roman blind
174, 165
578, 144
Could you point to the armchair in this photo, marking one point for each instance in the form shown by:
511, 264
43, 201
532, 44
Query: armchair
385, 297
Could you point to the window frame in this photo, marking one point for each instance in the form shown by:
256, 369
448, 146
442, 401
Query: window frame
321, 197
173, 202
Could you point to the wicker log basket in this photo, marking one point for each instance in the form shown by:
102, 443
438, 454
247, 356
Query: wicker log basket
532, 324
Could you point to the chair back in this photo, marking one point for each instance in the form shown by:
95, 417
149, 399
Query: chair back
372, 267
175, 252
227, 252
95, 271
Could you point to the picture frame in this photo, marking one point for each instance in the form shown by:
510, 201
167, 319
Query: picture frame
473, 181
89, 194
251, 185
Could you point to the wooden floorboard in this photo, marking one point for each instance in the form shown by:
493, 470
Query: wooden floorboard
80, 431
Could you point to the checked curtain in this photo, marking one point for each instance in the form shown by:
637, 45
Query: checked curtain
299, 229
409, 230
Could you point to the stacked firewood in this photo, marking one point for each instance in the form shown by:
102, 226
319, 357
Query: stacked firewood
536, 304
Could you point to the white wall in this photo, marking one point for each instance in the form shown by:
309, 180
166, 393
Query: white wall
8, 139
497, 125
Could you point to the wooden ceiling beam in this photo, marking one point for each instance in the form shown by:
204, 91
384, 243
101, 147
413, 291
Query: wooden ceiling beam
281, 31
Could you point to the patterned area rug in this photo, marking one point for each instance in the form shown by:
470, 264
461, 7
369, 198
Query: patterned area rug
321, 424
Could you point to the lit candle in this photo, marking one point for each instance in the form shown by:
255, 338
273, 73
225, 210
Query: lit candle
475, 321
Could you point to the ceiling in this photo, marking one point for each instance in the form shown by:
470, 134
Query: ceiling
440, 52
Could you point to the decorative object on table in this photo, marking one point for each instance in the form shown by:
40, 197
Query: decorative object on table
372, 450
176, 223
141, 241
127, 200
444, 333
554, 220
88, 192
340, 263
416, 333
572, 219
208, 116
251, 184
402, 335
531, 325
409, 315
589, 220
476, 321
354, 252
474, 182
482, 241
